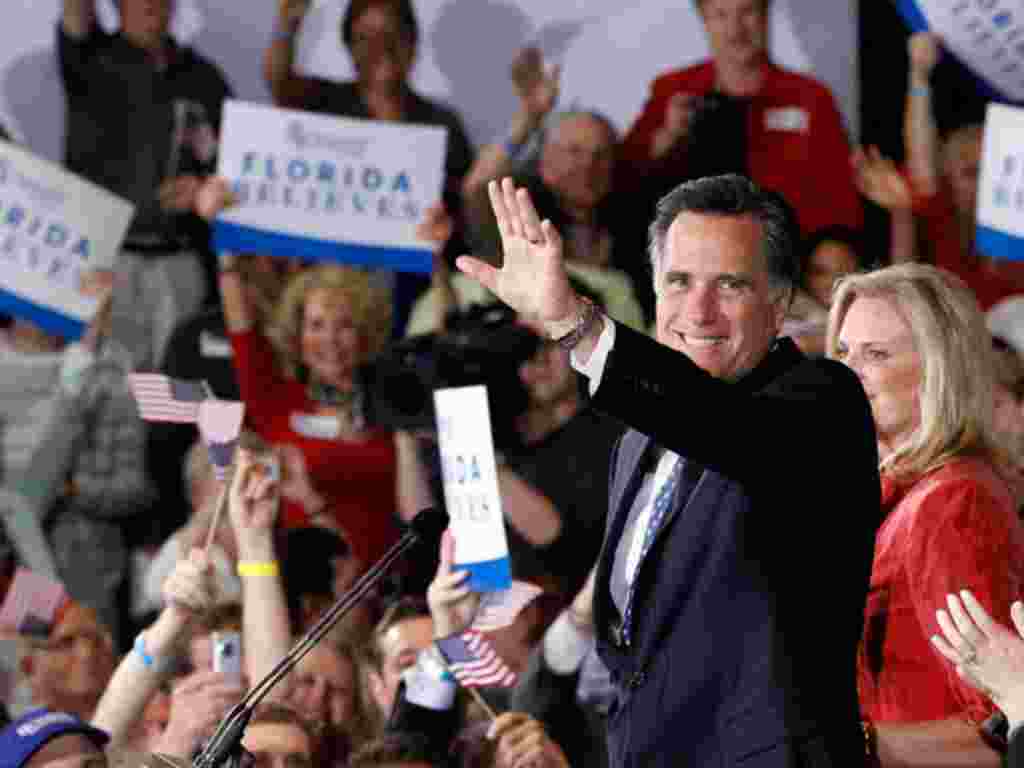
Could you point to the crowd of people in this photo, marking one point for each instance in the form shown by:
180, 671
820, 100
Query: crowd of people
708, 394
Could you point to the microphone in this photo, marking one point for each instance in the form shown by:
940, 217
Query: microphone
225, 746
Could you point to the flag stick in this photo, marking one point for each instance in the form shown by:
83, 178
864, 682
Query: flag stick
222, 499
472, 690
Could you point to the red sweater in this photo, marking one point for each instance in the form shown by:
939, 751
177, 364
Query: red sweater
796, 143
955, 528
356, 478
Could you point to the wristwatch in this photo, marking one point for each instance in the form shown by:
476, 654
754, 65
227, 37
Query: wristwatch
587, 316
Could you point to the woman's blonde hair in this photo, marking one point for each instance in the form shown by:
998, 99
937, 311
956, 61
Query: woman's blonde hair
957, 363
364, 294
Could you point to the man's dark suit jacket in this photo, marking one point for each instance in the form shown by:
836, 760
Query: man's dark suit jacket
749, 606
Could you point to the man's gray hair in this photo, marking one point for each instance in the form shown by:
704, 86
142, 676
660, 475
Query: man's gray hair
733, 195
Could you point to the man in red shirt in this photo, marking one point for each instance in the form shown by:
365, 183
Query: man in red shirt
794, 140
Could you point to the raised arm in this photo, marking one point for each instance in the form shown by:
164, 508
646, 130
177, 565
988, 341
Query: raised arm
537, 90
920, 135
266, 629
187, 592
239, 315
78, 18
287, 88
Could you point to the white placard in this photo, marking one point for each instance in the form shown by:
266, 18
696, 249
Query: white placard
328, 188
471, 486
1000, 230
987, 35
54, 227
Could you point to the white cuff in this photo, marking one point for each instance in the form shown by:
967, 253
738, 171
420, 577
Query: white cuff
593, 369
565, 645
425, 685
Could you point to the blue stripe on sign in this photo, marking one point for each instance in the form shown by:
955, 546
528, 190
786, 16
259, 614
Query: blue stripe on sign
912, 14
487, 575
240, 239
48, 319
999, 245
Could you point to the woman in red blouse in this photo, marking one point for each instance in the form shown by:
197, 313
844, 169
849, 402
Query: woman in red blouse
916, 338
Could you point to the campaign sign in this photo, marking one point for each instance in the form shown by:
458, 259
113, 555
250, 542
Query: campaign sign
470, 478
986, 35
1000, 225
54, 227
328, 188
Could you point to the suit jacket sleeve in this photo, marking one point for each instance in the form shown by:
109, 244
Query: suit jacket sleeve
746, 433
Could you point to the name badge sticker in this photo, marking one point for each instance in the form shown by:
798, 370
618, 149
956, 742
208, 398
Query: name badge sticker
315, 426
791, 119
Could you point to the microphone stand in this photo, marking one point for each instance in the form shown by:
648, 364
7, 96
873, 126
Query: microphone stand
224, 749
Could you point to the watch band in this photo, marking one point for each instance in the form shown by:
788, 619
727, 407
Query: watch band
585, 320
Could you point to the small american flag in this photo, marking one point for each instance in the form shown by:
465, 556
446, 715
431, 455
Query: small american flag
31, 603
499, 608
220, 422
162, 398
474, 662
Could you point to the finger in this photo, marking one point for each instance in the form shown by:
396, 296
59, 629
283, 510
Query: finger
1017, 616
501, 213
551, 235
952, 634
523, 734
515, 222
985, 624
452, 595
481, 271
446, 551
948, 651
528, 217
198, 558
963, 622
504, 722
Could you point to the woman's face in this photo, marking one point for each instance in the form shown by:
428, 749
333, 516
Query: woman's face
381, 49
829, 261
876, 342
331, 346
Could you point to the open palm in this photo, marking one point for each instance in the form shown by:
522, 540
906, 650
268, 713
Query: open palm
532, 279
880, 181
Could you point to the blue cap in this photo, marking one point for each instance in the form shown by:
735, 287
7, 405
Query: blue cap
30, 733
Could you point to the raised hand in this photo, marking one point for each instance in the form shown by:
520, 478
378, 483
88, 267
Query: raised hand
252, 504
437, 226
879, 180
536, 87
676, 125
98, 284
213, 197
453, 604
189, 589
924, 52
198, 702
532, 279
291, 13
986, 654
180, 193
523, 743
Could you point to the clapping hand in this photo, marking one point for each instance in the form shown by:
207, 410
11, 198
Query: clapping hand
987, 655
532, 279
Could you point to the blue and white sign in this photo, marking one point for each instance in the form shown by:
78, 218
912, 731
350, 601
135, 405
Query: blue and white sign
1000, 230
471, 493
54, 227
328, 188
986, 35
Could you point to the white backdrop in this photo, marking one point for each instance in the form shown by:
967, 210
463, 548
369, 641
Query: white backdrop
609, 54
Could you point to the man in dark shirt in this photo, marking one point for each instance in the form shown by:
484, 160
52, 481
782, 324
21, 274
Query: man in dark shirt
142, 121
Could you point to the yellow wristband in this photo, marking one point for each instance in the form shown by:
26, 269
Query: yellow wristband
254, 568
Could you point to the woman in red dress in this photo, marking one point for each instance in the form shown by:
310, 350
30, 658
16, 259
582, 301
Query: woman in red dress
916, 338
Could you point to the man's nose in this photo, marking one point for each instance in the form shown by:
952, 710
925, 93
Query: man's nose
701, 305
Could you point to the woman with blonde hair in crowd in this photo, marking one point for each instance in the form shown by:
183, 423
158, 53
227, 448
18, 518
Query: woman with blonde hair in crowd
915, 337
